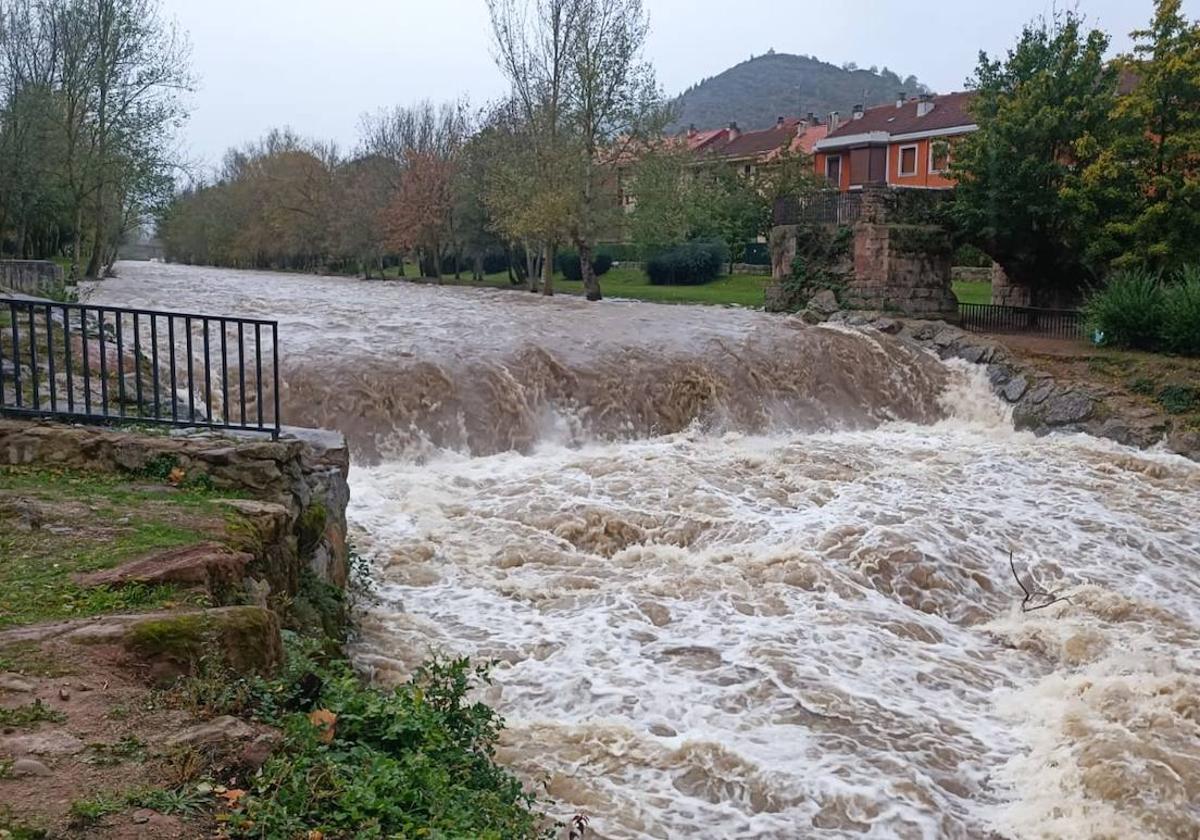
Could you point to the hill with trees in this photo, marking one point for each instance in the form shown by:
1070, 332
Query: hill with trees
754, 93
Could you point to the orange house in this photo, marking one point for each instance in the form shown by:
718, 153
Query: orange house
908, 144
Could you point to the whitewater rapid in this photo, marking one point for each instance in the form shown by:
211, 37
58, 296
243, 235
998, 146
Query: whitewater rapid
776, 602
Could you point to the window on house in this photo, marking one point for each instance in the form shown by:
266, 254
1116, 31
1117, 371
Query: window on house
939, 156
833, 169
747, 169
908, 160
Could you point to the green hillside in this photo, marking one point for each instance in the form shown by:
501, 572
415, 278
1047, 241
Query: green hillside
754, 93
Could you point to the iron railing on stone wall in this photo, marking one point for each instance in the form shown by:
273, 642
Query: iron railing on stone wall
823, 208
103, 364
1053, 323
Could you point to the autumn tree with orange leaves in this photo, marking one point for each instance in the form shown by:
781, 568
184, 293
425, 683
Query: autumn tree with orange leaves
418, 218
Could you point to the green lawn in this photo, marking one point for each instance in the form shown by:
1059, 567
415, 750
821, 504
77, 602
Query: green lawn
739, 289
970, 291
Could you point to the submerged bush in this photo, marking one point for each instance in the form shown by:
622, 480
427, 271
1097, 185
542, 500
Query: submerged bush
689, 264
1181, 313
1128, 310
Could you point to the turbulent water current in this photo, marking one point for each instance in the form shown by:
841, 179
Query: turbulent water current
746, 577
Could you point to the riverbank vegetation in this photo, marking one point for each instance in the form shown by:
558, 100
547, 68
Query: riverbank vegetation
269, 742
623, 282
91, 98
1083, 166
1143, 310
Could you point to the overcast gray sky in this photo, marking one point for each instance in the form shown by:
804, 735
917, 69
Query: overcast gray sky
317, 65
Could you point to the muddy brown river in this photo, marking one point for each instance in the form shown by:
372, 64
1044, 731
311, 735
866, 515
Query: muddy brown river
745, 577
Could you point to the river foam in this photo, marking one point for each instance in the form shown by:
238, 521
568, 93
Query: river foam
746, 578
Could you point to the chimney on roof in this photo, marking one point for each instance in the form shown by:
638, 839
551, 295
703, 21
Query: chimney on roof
834, 120
924, 104
778, 121
901, 98
857, 113
734, 131
812, 118
692, 130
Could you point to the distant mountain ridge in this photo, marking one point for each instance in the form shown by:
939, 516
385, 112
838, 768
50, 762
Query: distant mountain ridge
756, 92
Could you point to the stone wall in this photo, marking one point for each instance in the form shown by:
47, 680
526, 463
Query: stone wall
30, 277
901, 268
1006, 293
782, 246
297, 485
971, 274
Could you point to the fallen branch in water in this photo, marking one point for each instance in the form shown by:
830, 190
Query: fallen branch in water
1031, 594
579, 827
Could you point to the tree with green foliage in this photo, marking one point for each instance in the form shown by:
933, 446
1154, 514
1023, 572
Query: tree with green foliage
1045, 116
669, 205
1154, 162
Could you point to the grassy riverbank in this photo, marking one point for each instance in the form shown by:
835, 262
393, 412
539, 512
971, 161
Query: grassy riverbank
162, 710
732, 290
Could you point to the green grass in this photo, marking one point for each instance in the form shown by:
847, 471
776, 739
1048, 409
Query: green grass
30, 715
736, 289
56, 524
972, 291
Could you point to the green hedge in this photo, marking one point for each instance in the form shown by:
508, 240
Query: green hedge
568, 264
689, 264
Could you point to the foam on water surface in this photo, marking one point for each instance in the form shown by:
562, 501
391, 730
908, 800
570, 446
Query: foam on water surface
747, 578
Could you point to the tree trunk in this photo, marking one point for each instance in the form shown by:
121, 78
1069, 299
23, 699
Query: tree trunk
531, 268
78, 245
548, 270
477, 268
591, 283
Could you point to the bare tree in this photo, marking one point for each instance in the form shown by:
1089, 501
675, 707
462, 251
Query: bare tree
418, 146
614, 101
137, 69
535, 43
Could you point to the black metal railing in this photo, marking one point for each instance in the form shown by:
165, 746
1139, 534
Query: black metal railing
104, 364
1054, 323
824, 208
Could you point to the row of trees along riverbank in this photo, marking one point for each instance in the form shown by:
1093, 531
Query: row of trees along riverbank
552, 167
91, 95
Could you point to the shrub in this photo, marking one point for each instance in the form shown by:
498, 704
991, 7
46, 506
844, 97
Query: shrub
568, 264
689, 264
601, 264
971, 257
1181, 313
415, 761
1128, 310
1179, 399
621, 252
495, 262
